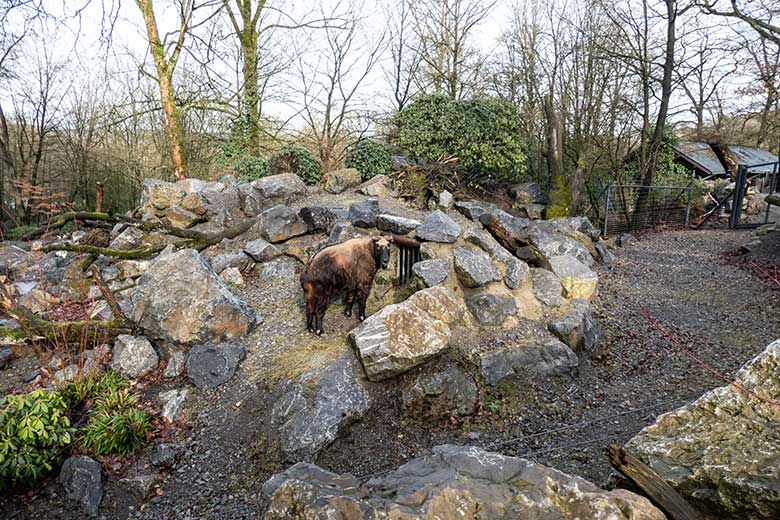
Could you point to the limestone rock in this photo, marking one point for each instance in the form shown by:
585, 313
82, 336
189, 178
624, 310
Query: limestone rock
376, 186
579, 329
721, 451
396, 224
172, 402
438, 227
264, 193
318, 218
550, 359
517, 273
317, 407
37, 301
213, 364
531, 211
527, 193
236, 259
180, 299
80, 476
261, 251
491, 309
474, 209
338, 181
577, 280
450, 392
545, 237
131, 268
432, 272
160, 195
547, 287
474, 267
134, 356
363, 214
508, 225
164, 455
444, 200
232, 276
404, 335
180, 218
280, 223
175, 365
453, 482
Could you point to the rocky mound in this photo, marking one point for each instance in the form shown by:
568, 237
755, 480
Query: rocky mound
452, 482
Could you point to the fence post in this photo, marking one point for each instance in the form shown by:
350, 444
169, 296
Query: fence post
99, 197
690, 199
606, 208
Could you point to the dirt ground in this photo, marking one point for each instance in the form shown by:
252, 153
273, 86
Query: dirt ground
721, 312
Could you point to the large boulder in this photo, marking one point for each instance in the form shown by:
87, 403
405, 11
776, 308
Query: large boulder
547, 287
160, 195
528, 193
579, 329
280, 223
432, 272
438, 227
317, 407
552, 358
722, 451
490, 308
376, 186
259, 195
181, 299
474, 267
548, 239
338, 181
506, 225
396, 224
80, 476
363, 214
450, 392
404, 335
577, 280
213, 364
474, 209
261, 251
318, 218
453, 482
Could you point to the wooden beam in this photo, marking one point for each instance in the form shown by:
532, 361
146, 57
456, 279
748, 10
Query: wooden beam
773, 200
660, 492
724, 154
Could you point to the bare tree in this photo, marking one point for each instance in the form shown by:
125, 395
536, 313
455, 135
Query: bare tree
760, 15
452, 65
405, 53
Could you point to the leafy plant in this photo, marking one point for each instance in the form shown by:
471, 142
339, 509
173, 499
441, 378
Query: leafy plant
296, 159
116, 425
369, 157
33, 431
482, 133
77, 392
251, 167
19, 232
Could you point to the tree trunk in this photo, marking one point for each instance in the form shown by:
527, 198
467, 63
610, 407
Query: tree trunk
724, 154
173, 125
560, 196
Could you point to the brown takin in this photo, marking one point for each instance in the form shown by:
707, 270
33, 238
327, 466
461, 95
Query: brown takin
345, 270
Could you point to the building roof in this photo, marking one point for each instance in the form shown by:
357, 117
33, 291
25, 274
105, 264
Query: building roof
701, 156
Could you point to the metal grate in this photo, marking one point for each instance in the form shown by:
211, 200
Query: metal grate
665, 206
407, 257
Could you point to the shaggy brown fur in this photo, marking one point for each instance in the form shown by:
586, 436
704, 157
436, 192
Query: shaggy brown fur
345, 270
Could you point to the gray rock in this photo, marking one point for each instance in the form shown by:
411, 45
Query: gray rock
317, 407
549, 359
318, 218
232, 276
134, 356
6, 356
491, 309
626, 239
580, 330
164, 455
547, 287
175, 365
452, 482
517, 273
438, 227
376, 186
508, 225
404, 335
66, 374
160, 195
396, 224
605, 255
280, 223
213, 364
531, 211
80, 476
450, 392
445, 200
282, 267
721, 451
341, 180
577, 280
473, 209
342, 232
550, 242
172, 402
264, 193
363, 214
528, 193
474, 267
235, 259
181, 300
432, 272
261, 251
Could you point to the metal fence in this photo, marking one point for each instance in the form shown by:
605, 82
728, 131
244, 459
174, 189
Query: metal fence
663, 206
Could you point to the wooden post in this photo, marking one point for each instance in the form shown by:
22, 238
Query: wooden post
663, 495
99, 197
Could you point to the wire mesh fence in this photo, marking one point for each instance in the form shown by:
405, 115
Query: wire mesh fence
632, 207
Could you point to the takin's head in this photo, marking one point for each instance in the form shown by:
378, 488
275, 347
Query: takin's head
381, 252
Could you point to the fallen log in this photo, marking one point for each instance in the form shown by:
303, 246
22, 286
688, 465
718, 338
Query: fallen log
725, 156
773, 200
660, 492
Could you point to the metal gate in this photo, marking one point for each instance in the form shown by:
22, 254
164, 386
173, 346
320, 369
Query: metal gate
665, 206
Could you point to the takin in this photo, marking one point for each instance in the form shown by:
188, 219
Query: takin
345, 270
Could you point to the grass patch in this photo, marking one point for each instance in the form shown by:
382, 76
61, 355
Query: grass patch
309, 352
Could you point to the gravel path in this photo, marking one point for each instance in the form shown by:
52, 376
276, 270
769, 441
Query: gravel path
721, 312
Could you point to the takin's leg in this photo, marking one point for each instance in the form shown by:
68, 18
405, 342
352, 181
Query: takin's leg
310, 298
349, 300
362, 297
320, 313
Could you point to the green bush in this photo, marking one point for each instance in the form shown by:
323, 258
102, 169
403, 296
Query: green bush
482, 133
33, 432
369, 157
116, 425
296, 159
82, 389
251, 167
19, 233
